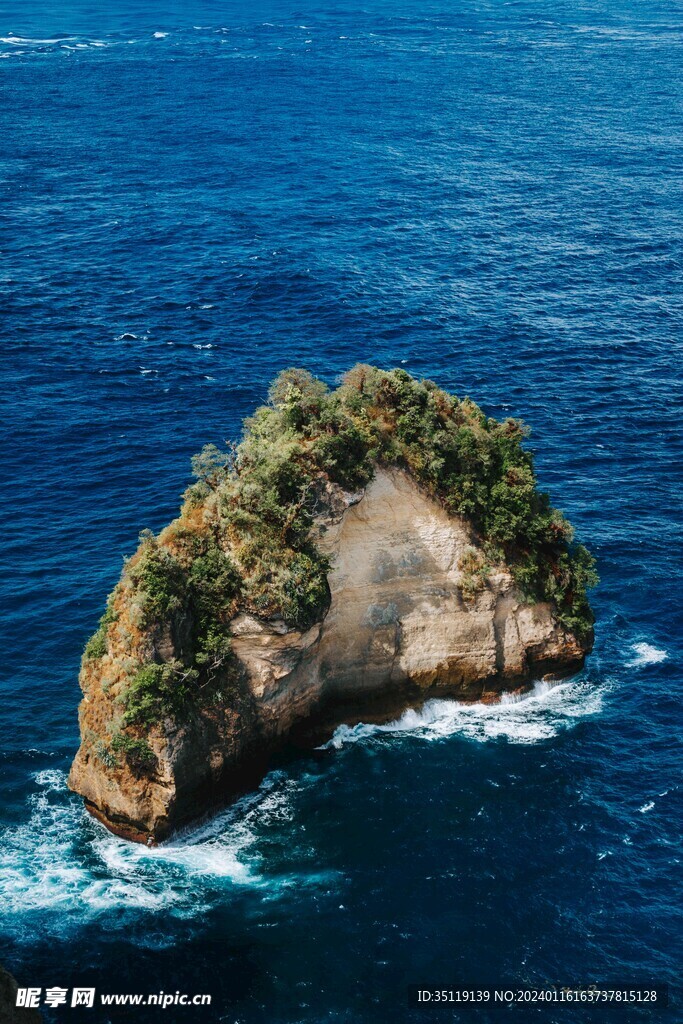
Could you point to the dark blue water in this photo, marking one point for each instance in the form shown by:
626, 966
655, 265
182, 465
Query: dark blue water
487, 193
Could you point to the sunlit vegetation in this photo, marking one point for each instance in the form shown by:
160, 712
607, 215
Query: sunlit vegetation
244, 539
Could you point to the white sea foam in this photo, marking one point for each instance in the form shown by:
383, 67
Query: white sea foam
69, 869
46, 863
647, 654
52, 780
218, 857
528, 718
160, 35
17, 40
64, 866
647, 807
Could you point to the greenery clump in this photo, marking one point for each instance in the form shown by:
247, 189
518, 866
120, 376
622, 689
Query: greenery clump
96, 646
156, 691
244, 539
137, 752
189, 586
159, 580
476, 466
475, 571
105, 754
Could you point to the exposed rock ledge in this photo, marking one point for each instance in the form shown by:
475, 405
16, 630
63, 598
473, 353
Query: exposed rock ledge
397, 632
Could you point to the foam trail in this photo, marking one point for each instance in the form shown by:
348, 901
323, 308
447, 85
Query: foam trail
60, 865
65, 870
47, 865
646, 654
528, 718
18, 40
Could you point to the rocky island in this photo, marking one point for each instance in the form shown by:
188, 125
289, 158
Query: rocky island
360, 550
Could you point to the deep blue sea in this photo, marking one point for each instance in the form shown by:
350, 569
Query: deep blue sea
488, 193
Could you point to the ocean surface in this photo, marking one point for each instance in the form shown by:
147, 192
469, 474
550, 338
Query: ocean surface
488, 193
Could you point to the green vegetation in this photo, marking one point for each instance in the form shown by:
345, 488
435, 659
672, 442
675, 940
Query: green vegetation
137, 752
475, 572
157, 691
96, 646
104, 754
192, 588
159, 579
244, 539
474, 465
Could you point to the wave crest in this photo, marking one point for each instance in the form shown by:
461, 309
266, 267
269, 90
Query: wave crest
647, 654
539, 715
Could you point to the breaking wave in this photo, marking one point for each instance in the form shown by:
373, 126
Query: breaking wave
61, 867
539, 715
646, 654
65, 869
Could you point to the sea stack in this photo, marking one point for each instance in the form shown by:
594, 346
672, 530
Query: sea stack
360, 551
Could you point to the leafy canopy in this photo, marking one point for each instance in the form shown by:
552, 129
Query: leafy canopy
244, 537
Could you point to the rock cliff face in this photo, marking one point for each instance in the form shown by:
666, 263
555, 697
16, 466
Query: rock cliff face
398, 631
10, 1013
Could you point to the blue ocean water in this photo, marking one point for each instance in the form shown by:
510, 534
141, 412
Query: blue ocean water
487, 193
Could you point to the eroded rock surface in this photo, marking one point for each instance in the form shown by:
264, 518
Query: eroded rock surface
398, 631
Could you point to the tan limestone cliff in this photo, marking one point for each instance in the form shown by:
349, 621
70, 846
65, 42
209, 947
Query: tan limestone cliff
398, 631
